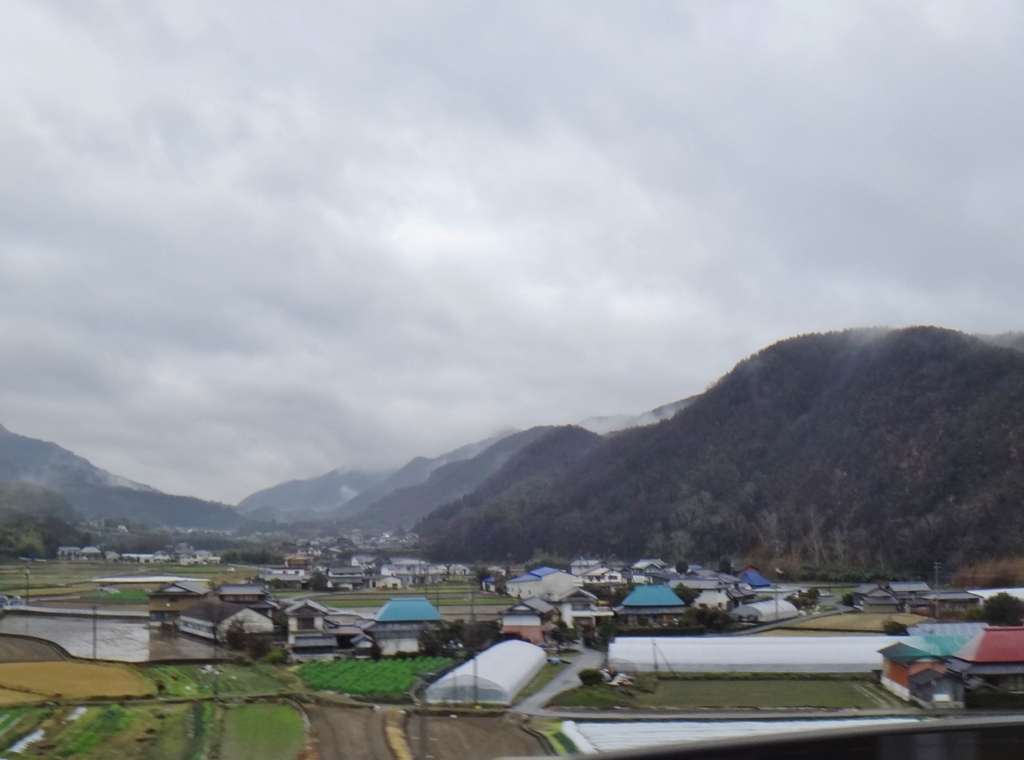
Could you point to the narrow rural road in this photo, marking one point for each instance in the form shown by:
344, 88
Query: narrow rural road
349, 733
567, 679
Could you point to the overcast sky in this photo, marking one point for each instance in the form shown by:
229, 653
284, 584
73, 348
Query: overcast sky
242, 242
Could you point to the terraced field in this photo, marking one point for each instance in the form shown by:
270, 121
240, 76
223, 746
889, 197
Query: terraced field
269, 732
15, 649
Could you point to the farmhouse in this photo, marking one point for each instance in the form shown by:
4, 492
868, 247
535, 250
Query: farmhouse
167, 602
401, 621
252, 595
994, 658
650, 605
308, 638
529, 620
917, 671
543, 583
210, 619
580, 608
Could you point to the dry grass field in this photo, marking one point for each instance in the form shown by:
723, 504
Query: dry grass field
854, 622
73, 679
8, 697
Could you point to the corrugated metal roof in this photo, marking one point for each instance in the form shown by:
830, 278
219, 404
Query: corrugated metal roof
652, 596
408, 610
754, 578
995, 645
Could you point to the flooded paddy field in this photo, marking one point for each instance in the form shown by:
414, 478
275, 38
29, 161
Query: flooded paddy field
115, 638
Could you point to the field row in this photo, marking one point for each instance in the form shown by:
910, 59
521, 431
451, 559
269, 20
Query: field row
169, 731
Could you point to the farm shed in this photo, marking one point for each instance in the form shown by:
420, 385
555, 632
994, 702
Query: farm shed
766, 611
499, 673
776, 654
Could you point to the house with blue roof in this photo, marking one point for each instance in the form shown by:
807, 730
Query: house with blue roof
754, 579
650, 606
547, 583
401, 622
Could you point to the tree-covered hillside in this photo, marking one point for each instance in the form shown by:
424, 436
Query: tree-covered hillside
34, 521
865, 447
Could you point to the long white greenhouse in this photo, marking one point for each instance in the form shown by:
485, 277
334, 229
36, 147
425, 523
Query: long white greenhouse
808, 654
494, 676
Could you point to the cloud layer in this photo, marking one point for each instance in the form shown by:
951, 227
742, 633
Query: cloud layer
242, 242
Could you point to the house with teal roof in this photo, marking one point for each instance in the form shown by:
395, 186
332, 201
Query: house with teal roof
650, 606
401, 622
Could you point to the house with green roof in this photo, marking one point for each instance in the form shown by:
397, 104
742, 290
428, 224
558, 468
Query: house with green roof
401, 622
650, 605
916, 669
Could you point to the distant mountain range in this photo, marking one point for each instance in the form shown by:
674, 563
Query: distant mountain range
387, 501
95, 492
868, 448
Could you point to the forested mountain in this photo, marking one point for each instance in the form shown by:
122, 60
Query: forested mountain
535, 466
94, 492
34, 521
864, 447
404, 507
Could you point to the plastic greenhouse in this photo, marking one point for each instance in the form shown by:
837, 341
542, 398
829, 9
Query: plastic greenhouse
766, 611
807, 654
499, 673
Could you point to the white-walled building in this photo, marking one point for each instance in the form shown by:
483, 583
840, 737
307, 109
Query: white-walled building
545, 583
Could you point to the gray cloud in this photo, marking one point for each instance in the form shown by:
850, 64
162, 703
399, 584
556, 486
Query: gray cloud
246, 242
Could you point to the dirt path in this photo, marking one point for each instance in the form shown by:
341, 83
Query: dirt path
470, 738
349, 733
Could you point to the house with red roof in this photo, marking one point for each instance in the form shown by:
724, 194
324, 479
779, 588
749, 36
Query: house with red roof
992, 659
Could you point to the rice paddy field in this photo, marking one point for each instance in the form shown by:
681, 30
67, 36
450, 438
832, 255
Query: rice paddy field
46, 680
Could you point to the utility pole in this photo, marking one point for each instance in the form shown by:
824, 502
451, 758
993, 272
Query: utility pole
935, 588
472, 628
94, 631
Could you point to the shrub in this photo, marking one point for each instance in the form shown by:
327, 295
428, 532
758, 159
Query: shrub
591, 677
275, 657
892, 627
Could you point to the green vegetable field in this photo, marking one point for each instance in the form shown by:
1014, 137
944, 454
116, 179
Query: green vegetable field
366, 677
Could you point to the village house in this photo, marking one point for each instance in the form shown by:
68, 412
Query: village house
993, 659
308, 637
210, 619
650, 606
345, 578
400, 623
529, 620
542, 582
917, 672
871, 597
167, 602
582, 565
578, 608
255, 596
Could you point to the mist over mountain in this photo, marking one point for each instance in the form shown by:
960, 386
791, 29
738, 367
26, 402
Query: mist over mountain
404, 507
94, 492
614, 423
869, 447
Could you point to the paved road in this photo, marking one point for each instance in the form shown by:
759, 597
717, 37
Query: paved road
567, 679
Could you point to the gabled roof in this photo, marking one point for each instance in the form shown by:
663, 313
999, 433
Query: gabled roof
408, 610
538, 605
242, 588
536, 574
653, 596
909, 587
904, 653
995, 645
306, 604
576, 593
182, 588
865, 588
213, 611
752, 577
